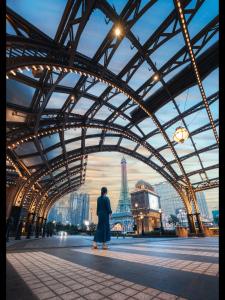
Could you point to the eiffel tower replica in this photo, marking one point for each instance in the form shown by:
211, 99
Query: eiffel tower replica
124, 204
123, 216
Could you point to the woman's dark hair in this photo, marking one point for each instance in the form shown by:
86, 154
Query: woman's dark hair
103, 191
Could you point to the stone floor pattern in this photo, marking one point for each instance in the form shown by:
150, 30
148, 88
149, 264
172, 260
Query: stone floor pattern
55, 278
52, 277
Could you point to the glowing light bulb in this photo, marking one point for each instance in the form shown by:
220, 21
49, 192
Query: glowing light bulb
156, 77
117, 31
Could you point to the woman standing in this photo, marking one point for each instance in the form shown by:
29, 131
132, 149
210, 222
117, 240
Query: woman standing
102, 234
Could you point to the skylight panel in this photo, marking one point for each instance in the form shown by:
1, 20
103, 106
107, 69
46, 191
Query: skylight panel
204, 139
188, 98
53, 153
150, 21
121, 121
103, 113
19, 93
93, 34
196, 120
72, 133
51, 140
32, 161
82, 106
97, 89
26, 148
143, 151
92, 142
12, 117
191, 164
212, 41
111, 140
177, 169
91, 131
213, 173
147, 125
143, 73
195, 178
70, 80
73, 145
167, 50
9, 28
167, 154
118, 5
156, 141
57, 100
185, 148
128, 144
136, 131
122, 56
48, 18
117, 100
155, 87
208, 10
211, 83
166, 112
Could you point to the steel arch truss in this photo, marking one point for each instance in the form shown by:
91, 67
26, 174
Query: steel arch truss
40, 62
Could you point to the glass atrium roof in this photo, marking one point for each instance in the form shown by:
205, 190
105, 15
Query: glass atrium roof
75, 88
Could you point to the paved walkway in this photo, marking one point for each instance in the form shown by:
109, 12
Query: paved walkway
146, 269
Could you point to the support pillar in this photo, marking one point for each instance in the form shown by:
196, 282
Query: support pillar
38, 227
30, 223
199, 221
197, 213
44, 227
19, 230
191, 223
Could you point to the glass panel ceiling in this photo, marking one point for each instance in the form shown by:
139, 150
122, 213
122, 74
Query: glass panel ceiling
93, 33
92, 36
154, 16
19, 93
57, 100
48, 16
48, 141
82, 106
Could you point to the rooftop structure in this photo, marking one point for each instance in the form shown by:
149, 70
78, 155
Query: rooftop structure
90, 76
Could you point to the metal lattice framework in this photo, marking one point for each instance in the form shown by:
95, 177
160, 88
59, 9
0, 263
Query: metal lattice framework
48, 146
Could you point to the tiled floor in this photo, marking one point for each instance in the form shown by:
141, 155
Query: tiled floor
122, 272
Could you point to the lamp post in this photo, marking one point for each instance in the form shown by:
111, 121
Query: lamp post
136, 216
161, 224
142, 225
86, 223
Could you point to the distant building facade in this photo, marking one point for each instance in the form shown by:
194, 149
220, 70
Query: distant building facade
145, 207
74, 210
171, 202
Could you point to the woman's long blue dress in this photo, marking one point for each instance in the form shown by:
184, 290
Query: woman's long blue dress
102, 234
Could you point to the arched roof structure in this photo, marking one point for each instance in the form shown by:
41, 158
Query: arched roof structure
74, 88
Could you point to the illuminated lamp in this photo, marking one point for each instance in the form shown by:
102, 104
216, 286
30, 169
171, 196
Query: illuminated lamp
181, 135
38, 72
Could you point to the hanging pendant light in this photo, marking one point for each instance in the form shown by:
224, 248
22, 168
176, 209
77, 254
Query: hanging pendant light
181, 135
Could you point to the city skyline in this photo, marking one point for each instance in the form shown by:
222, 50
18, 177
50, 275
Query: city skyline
104, 170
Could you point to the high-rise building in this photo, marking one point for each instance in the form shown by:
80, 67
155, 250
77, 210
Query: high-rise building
203, 207
169, 198
171, 201
73, 210
79, 204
